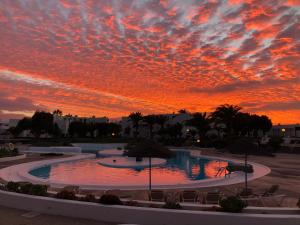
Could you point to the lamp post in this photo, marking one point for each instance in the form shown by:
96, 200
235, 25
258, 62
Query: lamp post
246, 173
283, 131
150, 174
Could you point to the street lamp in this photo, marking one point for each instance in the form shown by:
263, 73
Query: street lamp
150, 175
283, 131
246, 172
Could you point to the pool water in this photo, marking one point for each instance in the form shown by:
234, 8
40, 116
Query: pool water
183, 168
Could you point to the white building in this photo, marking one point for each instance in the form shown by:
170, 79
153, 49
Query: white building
291, 130
13, 122
63, 122
172, 119
4, 126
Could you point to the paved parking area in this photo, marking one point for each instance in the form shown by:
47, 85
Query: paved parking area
10, 216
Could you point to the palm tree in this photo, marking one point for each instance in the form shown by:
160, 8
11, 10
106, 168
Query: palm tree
226, 114
161, 120
136, 118
150, 120
201, 122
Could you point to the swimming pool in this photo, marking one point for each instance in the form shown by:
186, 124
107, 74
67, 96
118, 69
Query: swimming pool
184, 168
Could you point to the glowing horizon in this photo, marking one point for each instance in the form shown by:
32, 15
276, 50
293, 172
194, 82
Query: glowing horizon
110, 58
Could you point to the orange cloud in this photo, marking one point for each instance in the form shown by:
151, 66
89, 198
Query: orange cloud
104, 58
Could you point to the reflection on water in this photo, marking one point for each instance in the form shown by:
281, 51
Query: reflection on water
180, 169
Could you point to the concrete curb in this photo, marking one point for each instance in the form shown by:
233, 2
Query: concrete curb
139, 215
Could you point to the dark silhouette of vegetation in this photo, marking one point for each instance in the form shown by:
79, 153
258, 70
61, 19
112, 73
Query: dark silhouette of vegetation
108, 199
27, 188
232, 204
150, 120
23, 124
41, 122
201, 122
226, 114
275, 143
136, 118
148, 148
65, 194
173, 134
57, 112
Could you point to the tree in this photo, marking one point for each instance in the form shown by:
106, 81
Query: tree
174, 131
78, 128
182, 111
201, 122
161, 120
150, 120
41, 122
136, 118
23, 124
226, 114
113, 129
57, 112
242, 124
56, 130
265, 123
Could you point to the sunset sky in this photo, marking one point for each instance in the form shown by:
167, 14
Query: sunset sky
113, 57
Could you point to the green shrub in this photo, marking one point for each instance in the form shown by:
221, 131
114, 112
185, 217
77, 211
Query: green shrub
232, 204
275, 143
27, 188
108, 199
4, 152
65, 194
12, 186
172, 205
39, 190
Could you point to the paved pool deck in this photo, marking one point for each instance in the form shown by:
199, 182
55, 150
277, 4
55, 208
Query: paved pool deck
285, 172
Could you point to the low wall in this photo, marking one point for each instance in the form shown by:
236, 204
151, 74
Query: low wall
95, 147
63, 150
12, 158
138, 215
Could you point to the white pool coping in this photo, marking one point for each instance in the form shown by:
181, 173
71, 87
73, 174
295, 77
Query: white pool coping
129, 162
20, 172
110, 152
12, 158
